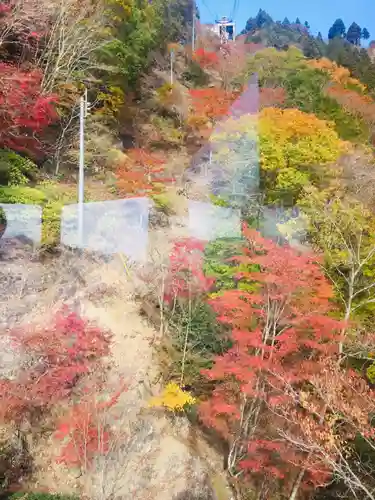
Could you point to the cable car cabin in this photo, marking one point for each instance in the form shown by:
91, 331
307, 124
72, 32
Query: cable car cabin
226, 29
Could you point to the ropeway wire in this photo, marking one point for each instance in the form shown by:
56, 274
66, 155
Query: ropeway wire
209, 10
234, 9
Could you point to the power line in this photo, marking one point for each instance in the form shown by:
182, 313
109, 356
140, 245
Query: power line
235, 8
209, 10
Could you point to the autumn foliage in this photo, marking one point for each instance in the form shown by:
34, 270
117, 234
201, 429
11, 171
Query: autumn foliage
353, 102
52, 359
86, 430
24, 111
282, 401
141, 173
205, 59
271, 97
338, 74
212, 103
185, 276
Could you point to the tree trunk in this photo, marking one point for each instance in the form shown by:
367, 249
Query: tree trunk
297, 484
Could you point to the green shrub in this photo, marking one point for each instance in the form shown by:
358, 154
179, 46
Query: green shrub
370, 372
167, 131
218, 201
56, 197
205, 335
162, 203
22, 194
14, 169
164, 92
3, 218
217, 266
195, 75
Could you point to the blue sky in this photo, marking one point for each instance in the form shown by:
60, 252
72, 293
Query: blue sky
320, 13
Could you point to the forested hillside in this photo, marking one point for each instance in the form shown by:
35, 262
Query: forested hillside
261, 336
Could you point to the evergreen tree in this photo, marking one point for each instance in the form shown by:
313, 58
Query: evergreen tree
311, 48
354, 34
320, 37
365, 34
298, 21
262, 18
307, 25
286, 22
251, 25
357, 61
337, 30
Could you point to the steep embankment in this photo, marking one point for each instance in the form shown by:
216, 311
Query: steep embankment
152, 455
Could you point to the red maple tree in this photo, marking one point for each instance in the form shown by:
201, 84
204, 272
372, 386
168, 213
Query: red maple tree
24, 111
86, 430
206, 59
282, 401
185, 273
52, 359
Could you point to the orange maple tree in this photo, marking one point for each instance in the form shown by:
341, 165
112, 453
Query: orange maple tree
353, 102
337, 73
141, 173
212, 103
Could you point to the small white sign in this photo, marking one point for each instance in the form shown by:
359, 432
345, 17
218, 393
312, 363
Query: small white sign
23, 220
109, 227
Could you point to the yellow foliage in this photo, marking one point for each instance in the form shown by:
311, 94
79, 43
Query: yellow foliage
196, 122
296, 149
337, 73
173, 398
125, 5
166, 94
112, 100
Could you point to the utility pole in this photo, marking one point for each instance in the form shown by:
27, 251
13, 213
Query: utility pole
193, 31
81, 179
172, 60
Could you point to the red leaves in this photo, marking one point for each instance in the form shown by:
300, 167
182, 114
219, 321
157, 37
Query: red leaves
58, 355
185, 274
84, 438
86, 431
205, 59
24, 111
4, 9
140, 172
271, 97
274, 331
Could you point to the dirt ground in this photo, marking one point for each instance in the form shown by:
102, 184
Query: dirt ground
156, 456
